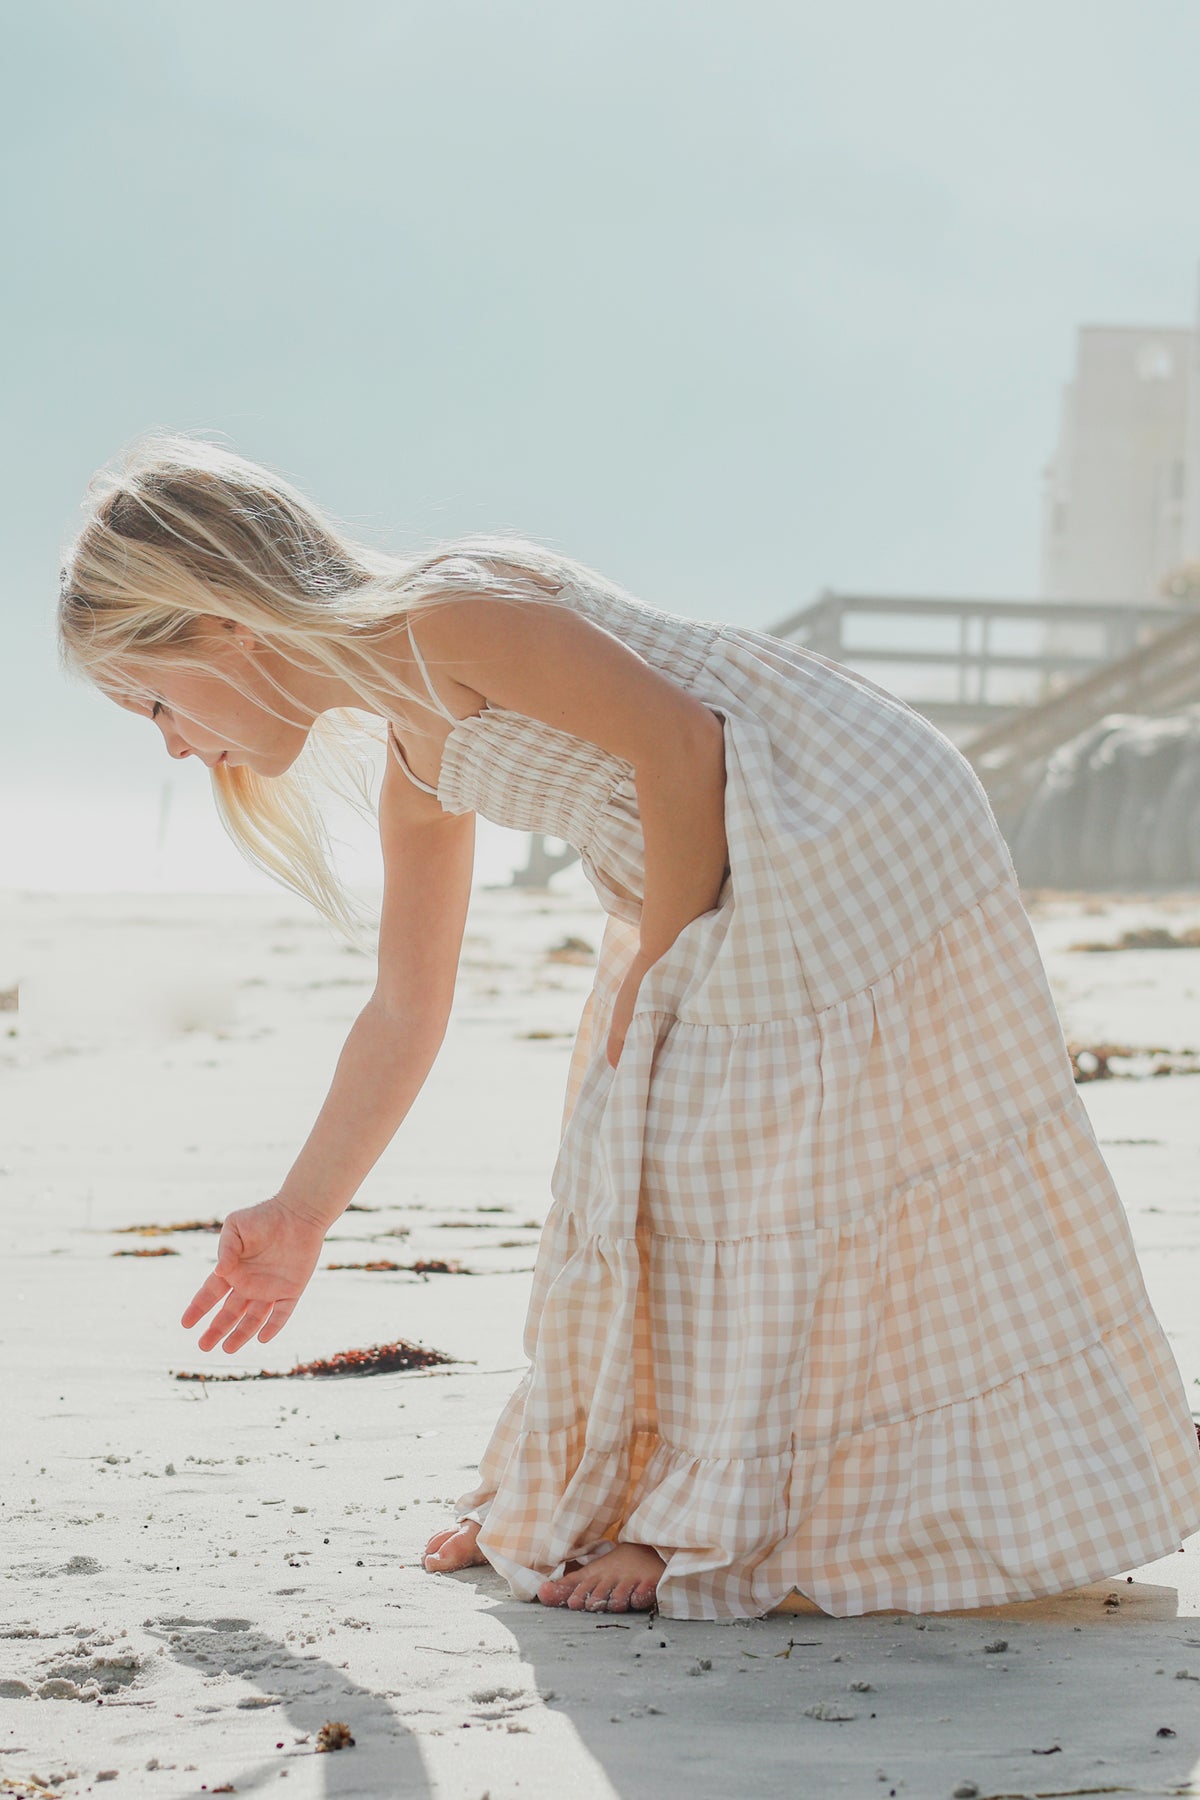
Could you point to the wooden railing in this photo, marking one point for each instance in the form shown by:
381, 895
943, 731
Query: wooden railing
1010, 703
982, 660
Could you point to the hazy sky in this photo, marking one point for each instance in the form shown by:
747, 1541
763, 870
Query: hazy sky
736, 301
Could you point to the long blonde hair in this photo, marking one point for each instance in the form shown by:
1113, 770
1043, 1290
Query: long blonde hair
180, 530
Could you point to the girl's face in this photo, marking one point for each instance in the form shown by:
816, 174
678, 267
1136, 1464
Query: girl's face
230, 716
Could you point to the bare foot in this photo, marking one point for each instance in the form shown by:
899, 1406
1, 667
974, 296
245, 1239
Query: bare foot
622, 1580
454, 1548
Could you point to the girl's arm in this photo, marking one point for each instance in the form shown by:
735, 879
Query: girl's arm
427, 857
551, 663
267, 1253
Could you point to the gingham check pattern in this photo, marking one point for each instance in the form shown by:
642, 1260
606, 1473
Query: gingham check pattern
836, 1292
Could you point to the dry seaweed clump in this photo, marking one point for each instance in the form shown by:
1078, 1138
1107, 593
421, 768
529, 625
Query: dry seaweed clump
1150, 937
571, 950
334, 1735
424, 1266
379, 1359
1104, 1062
162, 1230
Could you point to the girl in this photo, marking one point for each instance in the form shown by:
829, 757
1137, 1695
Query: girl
836, 1294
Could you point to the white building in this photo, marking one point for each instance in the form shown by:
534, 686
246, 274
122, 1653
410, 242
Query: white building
1122, 491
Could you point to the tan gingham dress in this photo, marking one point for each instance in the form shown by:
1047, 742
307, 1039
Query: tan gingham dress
836, 1292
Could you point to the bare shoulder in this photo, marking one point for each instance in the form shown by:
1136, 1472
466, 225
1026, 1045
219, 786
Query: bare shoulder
550, 662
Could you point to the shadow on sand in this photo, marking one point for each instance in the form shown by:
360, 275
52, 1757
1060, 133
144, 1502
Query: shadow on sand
1095, 1691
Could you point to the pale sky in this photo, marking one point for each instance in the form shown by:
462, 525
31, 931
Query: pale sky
736, 301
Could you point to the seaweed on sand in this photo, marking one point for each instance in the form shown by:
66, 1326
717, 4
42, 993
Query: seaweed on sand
379, 1359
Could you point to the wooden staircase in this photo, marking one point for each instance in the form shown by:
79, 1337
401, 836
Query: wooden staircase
1157, 677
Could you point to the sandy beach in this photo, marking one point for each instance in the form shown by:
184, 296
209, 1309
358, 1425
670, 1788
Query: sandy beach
208, 1585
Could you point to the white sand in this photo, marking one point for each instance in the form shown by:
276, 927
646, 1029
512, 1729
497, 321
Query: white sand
199, 1578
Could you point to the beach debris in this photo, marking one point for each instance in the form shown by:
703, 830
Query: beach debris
1094, 1062
571, 950
482, 1224
378, 1359
81, 1565
162, 1230
9, 999
1164, 1731
829, 1710
427, 1266
334, 1735
543, 1034
1150, 937
162, 1250
966, 1790
996, 1649
1053, 1750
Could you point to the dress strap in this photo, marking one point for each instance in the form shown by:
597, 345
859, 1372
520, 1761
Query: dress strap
433, 693
394, 747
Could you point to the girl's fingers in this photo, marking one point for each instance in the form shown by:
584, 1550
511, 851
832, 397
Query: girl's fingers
251, 1321
226, 1320
204, 1299
279, 1318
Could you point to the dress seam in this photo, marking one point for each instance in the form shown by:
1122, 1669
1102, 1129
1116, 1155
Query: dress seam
843, 1000
800, 1446
938, 1173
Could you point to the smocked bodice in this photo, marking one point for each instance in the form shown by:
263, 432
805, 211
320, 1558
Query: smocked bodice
520, 772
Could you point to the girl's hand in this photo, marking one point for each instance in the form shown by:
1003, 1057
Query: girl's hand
264, 1259
622, 1011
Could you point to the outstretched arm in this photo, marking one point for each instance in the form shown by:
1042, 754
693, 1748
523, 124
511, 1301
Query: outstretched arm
268, 1252
396, 1037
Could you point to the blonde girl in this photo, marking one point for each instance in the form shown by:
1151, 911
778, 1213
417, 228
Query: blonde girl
836, 1294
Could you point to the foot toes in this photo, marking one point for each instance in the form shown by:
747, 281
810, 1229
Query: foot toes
554, 1593
451, 1550
581, 1594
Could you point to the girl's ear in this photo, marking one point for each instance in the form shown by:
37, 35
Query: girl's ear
242, 635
